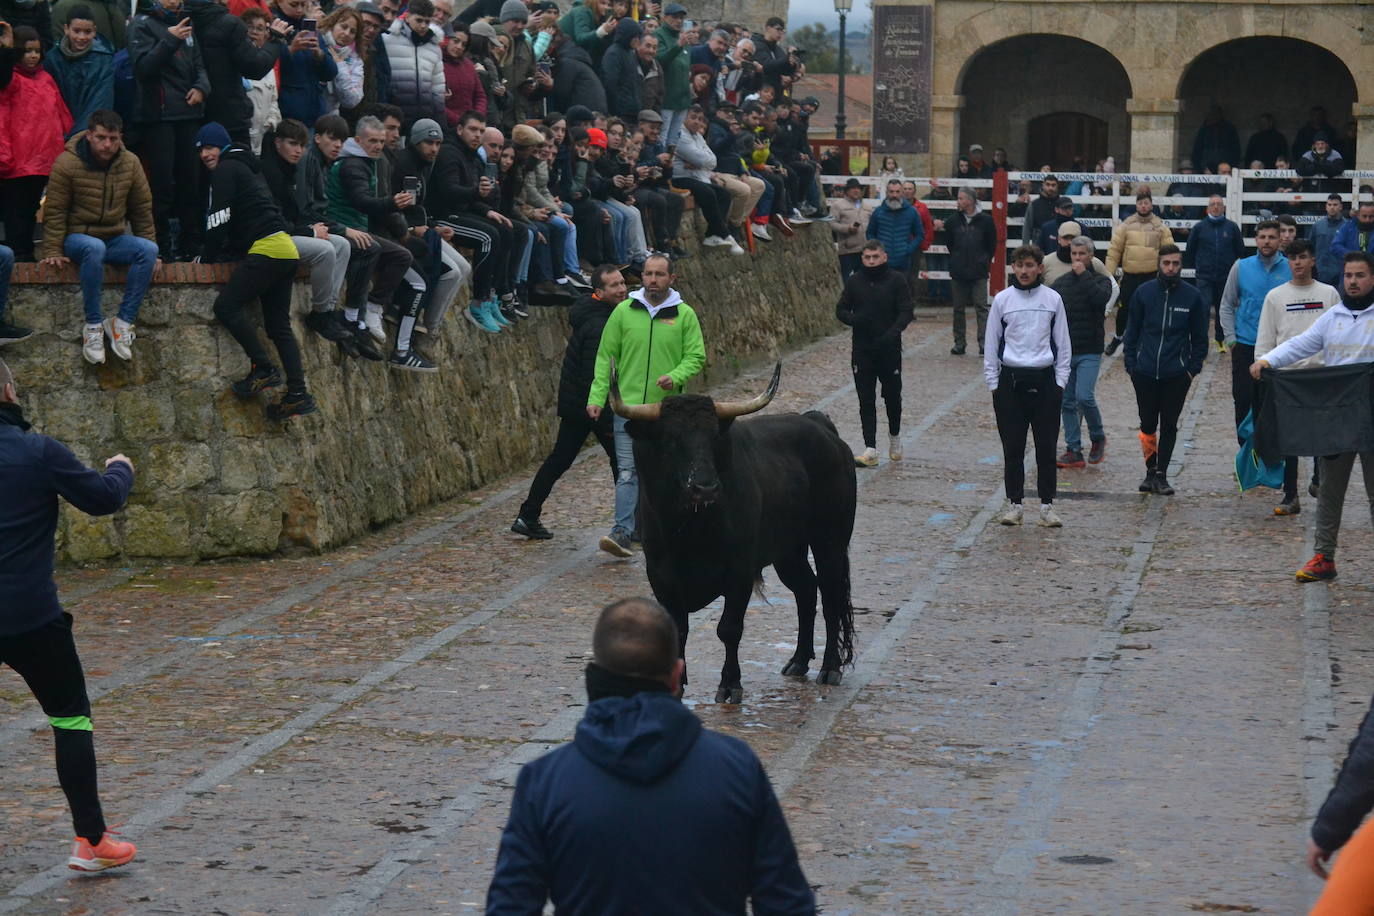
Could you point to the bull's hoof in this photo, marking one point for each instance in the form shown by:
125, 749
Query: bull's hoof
831, 676
730, 695
795, 668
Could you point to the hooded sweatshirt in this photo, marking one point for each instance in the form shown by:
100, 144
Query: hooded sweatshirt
242, 216
647, 342
587, 822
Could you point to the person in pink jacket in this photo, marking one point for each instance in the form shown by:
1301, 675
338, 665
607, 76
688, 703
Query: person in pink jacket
33, 124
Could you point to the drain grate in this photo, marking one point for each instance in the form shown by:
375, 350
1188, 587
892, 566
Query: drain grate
1086, 860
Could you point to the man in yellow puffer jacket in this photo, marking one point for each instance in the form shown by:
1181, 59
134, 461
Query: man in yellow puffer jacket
1135, 250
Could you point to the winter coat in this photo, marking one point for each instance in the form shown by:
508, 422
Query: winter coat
1242, 299
230, 58
844, 215
300, 74
1309, 164
360, 193
241, 209
516, 70
465, 92
86, 199
588, 317
971, 241
899, 230
417, 71
575, 81
1265, 146
345, 90
693, 157
677, 69
456, 176
37, 16
86, 82
37, 471
110, 17
1213, 246
876, 304
165, 70
33, 124
1135, 244
651, 86
1322, 233
1167, 329
1085, 298
646, 347
1348, 239
580, 25
262, 95
534, 188
620, 71
586, 822
1038, 212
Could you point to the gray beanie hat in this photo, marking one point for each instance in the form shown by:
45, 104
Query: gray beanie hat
425, 129
514, 10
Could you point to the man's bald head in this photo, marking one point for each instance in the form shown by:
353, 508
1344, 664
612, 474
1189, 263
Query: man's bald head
635, 637
492, 141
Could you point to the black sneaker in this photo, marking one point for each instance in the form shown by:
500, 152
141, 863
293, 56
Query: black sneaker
1148, 484
1162, 486
678, 252
367, 347
1112, 346
410, 361
349, 346
260, 379
1314, 489
576, 279
10, 333
517, 305
323, 324
956, 351
508, 311
617, 544
291, 405
531, 529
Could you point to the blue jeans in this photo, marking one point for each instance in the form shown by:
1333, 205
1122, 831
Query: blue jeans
570, 264
672, 125
6, 269
620, 232
1080, 401
91, 255
626, 481
522, 273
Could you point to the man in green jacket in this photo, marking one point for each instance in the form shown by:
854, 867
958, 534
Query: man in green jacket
674, 54
655, 340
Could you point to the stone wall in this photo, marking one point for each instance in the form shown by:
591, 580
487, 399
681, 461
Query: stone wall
215, 479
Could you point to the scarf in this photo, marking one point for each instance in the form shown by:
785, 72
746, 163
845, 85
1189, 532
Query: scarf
603, 683
1357, 305
65, 47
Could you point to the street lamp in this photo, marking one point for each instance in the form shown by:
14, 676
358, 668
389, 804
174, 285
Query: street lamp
842, 7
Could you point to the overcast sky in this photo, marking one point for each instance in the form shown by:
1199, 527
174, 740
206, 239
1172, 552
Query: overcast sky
805, 12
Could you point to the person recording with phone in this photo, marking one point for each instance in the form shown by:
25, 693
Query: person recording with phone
304, 66
850, 226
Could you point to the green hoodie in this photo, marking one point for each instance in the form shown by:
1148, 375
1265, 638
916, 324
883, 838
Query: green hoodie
646, 348
677, 73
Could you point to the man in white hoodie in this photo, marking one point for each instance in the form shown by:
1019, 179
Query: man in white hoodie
1343, 335
694, 167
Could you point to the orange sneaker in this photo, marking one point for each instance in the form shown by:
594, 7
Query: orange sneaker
108, 853
1318, 569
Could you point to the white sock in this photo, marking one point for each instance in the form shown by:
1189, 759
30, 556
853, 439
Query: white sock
561, 280
374, 309
1044, 506
351, 315
403, 335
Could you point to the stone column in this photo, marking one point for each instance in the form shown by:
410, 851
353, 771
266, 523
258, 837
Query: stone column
1154, 134
1364, 120
944, 135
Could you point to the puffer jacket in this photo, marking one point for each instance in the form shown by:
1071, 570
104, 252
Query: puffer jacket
359, 190
37, 16
230, 58
241, 208
900, 231
165, 69
1167, 331
534, 189
575, 81
693, 157
588, 318
465, 92
1085, 298
677, 70
109, 17
301, 77
1135, 244
417, 71
345, 90
33, 121
86, 82
620, 71
87, 199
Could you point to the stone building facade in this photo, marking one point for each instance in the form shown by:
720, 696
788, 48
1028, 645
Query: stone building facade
1133, 79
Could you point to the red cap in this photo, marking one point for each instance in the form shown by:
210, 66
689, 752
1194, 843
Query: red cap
596, 137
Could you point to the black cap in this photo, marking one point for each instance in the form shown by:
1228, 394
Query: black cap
853, 183
1061, 202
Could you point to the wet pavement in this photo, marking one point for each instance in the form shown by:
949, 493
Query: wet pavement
1136, 713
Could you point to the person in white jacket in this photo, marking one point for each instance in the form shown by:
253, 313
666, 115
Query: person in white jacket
1026, 362
417, 64
338, 35
694, 168
262, 93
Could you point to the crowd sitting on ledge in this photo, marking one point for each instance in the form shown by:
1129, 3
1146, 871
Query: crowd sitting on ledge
375, 145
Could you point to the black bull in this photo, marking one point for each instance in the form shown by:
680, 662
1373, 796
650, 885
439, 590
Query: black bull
720, 500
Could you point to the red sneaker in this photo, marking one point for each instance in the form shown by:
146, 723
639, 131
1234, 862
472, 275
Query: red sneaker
1070, 459
1318, 569
108, 853
1098, 451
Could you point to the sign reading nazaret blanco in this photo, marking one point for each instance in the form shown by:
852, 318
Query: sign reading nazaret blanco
902, 50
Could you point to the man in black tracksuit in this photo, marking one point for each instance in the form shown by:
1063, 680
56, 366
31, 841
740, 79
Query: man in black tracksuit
35, 633
588, 319
876, 303
1165, 344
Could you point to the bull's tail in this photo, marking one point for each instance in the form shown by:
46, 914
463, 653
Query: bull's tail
845, 611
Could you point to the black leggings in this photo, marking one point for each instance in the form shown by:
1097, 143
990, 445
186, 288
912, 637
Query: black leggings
871, 368
1028, 399
169, 152
47, 661
712, 200
1242, 385
571, 435
1160, 402
267, 279
19, 199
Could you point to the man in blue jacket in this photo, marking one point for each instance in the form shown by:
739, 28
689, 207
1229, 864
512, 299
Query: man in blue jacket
645, 811
1356, 235
1242, 303
35, 633
1330, 268
82, 64
1214, 244
898, 226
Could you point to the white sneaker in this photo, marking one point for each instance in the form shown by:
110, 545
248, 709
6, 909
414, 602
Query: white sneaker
121, 335
868, 458
373, 321
1011, 515
1049, 518
760, 232
93, 344
894, 447
735, 247
714, 241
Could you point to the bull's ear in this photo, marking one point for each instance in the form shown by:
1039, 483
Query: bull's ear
648, 430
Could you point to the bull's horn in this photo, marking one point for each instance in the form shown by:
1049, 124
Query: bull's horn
630, 411
726, 410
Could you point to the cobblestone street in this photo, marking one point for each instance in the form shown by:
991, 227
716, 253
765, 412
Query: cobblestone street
1137, 713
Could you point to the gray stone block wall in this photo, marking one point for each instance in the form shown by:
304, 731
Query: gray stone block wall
214, 479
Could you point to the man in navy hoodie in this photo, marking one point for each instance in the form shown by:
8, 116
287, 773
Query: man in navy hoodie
645, 811
35, 633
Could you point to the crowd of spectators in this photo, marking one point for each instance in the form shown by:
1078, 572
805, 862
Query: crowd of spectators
397, 151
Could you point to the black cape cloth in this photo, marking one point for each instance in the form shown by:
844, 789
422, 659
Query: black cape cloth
1319, 412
